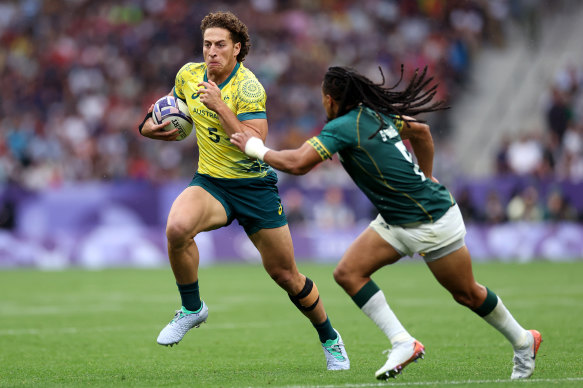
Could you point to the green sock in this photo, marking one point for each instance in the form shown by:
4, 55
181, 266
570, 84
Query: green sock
488, 305
325, 331
365, 293
190, 296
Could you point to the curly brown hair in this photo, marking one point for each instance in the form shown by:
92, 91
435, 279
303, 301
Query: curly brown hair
230, 22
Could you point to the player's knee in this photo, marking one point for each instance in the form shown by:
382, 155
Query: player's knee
341, 276
177, 234
282, 277
307, 299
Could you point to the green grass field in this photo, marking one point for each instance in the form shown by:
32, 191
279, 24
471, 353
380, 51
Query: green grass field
99, 328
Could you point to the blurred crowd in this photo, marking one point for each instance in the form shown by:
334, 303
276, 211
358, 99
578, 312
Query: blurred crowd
554, 153
75, 84
557, 150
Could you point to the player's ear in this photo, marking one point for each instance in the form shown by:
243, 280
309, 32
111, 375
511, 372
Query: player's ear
237, 48
327, 99
334, 106
331, 102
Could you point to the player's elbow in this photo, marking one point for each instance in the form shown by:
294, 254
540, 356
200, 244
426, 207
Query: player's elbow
291, 162
421, 131
298, 169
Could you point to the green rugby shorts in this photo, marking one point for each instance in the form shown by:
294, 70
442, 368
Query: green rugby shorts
253, 202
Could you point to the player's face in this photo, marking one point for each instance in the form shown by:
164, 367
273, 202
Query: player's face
220, 53
327, 103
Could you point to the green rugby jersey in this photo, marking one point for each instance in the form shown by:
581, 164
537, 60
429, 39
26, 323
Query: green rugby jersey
382, 167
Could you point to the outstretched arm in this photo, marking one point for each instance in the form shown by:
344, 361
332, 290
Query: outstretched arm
296, 162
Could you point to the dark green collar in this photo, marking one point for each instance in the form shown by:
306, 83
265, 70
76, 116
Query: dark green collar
205, 79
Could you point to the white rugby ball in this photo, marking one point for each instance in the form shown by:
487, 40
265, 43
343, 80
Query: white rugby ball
174, 110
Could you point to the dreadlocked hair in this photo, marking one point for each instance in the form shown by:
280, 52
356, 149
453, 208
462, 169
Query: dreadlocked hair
351, 88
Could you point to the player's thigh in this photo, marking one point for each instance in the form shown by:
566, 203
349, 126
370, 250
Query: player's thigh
366, 255
195, 210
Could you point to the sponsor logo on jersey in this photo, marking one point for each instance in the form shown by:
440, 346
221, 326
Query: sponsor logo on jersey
388, 133
206, 113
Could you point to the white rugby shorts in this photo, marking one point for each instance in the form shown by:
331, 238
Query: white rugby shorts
431, 240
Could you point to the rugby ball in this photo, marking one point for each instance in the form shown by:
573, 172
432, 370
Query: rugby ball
174, 110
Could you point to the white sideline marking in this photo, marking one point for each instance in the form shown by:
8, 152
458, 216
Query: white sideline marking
434, 383
76, 330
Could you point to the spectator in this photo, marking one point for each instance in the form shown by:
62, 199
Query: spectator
525, 206
502, 163
494, 210
332, 212
7, 211
558, 208
293, 201
466, 205
525, 154
570, 166
558, 114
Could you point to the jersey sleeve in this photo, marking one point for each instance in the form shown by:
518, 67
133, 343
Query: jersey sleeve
398, 123
180, 81
335, 136
251, 100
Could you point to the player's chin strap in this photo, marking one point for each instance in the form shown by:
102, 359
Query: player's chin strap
308, 297
148, 115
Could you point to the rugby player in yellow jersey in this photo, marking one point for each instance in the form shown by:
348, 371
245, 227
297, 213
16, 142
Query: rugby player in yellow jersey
367, 123
225, 98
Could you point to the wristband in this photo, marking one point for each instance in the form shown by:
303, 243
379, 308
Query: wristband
148, 115
255, 148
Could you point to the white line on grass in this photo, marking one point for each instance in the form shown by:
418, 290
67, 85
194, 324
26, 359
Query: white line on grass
451, 382
76, 330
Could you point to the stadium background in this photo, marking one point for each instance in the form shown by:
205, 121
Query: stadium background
80, 187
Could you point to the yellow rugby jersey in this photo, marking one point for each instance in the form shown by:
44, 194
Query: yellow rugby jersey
245, 96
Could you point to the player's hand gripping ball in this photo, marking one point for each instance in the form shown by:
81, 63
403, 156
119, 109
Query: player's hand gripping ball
174, 110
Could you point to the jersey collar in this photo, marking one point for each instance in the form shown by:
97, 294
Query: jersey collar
228, 78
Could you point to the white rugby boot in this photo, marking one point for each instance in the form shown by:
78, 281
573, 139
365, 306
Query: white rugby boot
399, 357
183, 321
524, 357
336, 357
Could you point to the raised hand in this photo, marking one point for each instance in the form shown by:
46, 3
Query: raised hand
210, 95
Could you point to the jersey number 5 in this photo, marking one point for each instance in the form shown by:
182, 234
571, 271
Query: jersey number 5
213, 135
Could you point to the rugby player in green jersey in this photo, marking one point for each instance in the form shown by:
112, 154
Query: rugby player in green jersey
225, 98
367, 124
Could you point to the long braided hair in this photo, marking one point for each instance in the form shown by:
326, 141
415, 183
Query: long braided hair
350, 88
